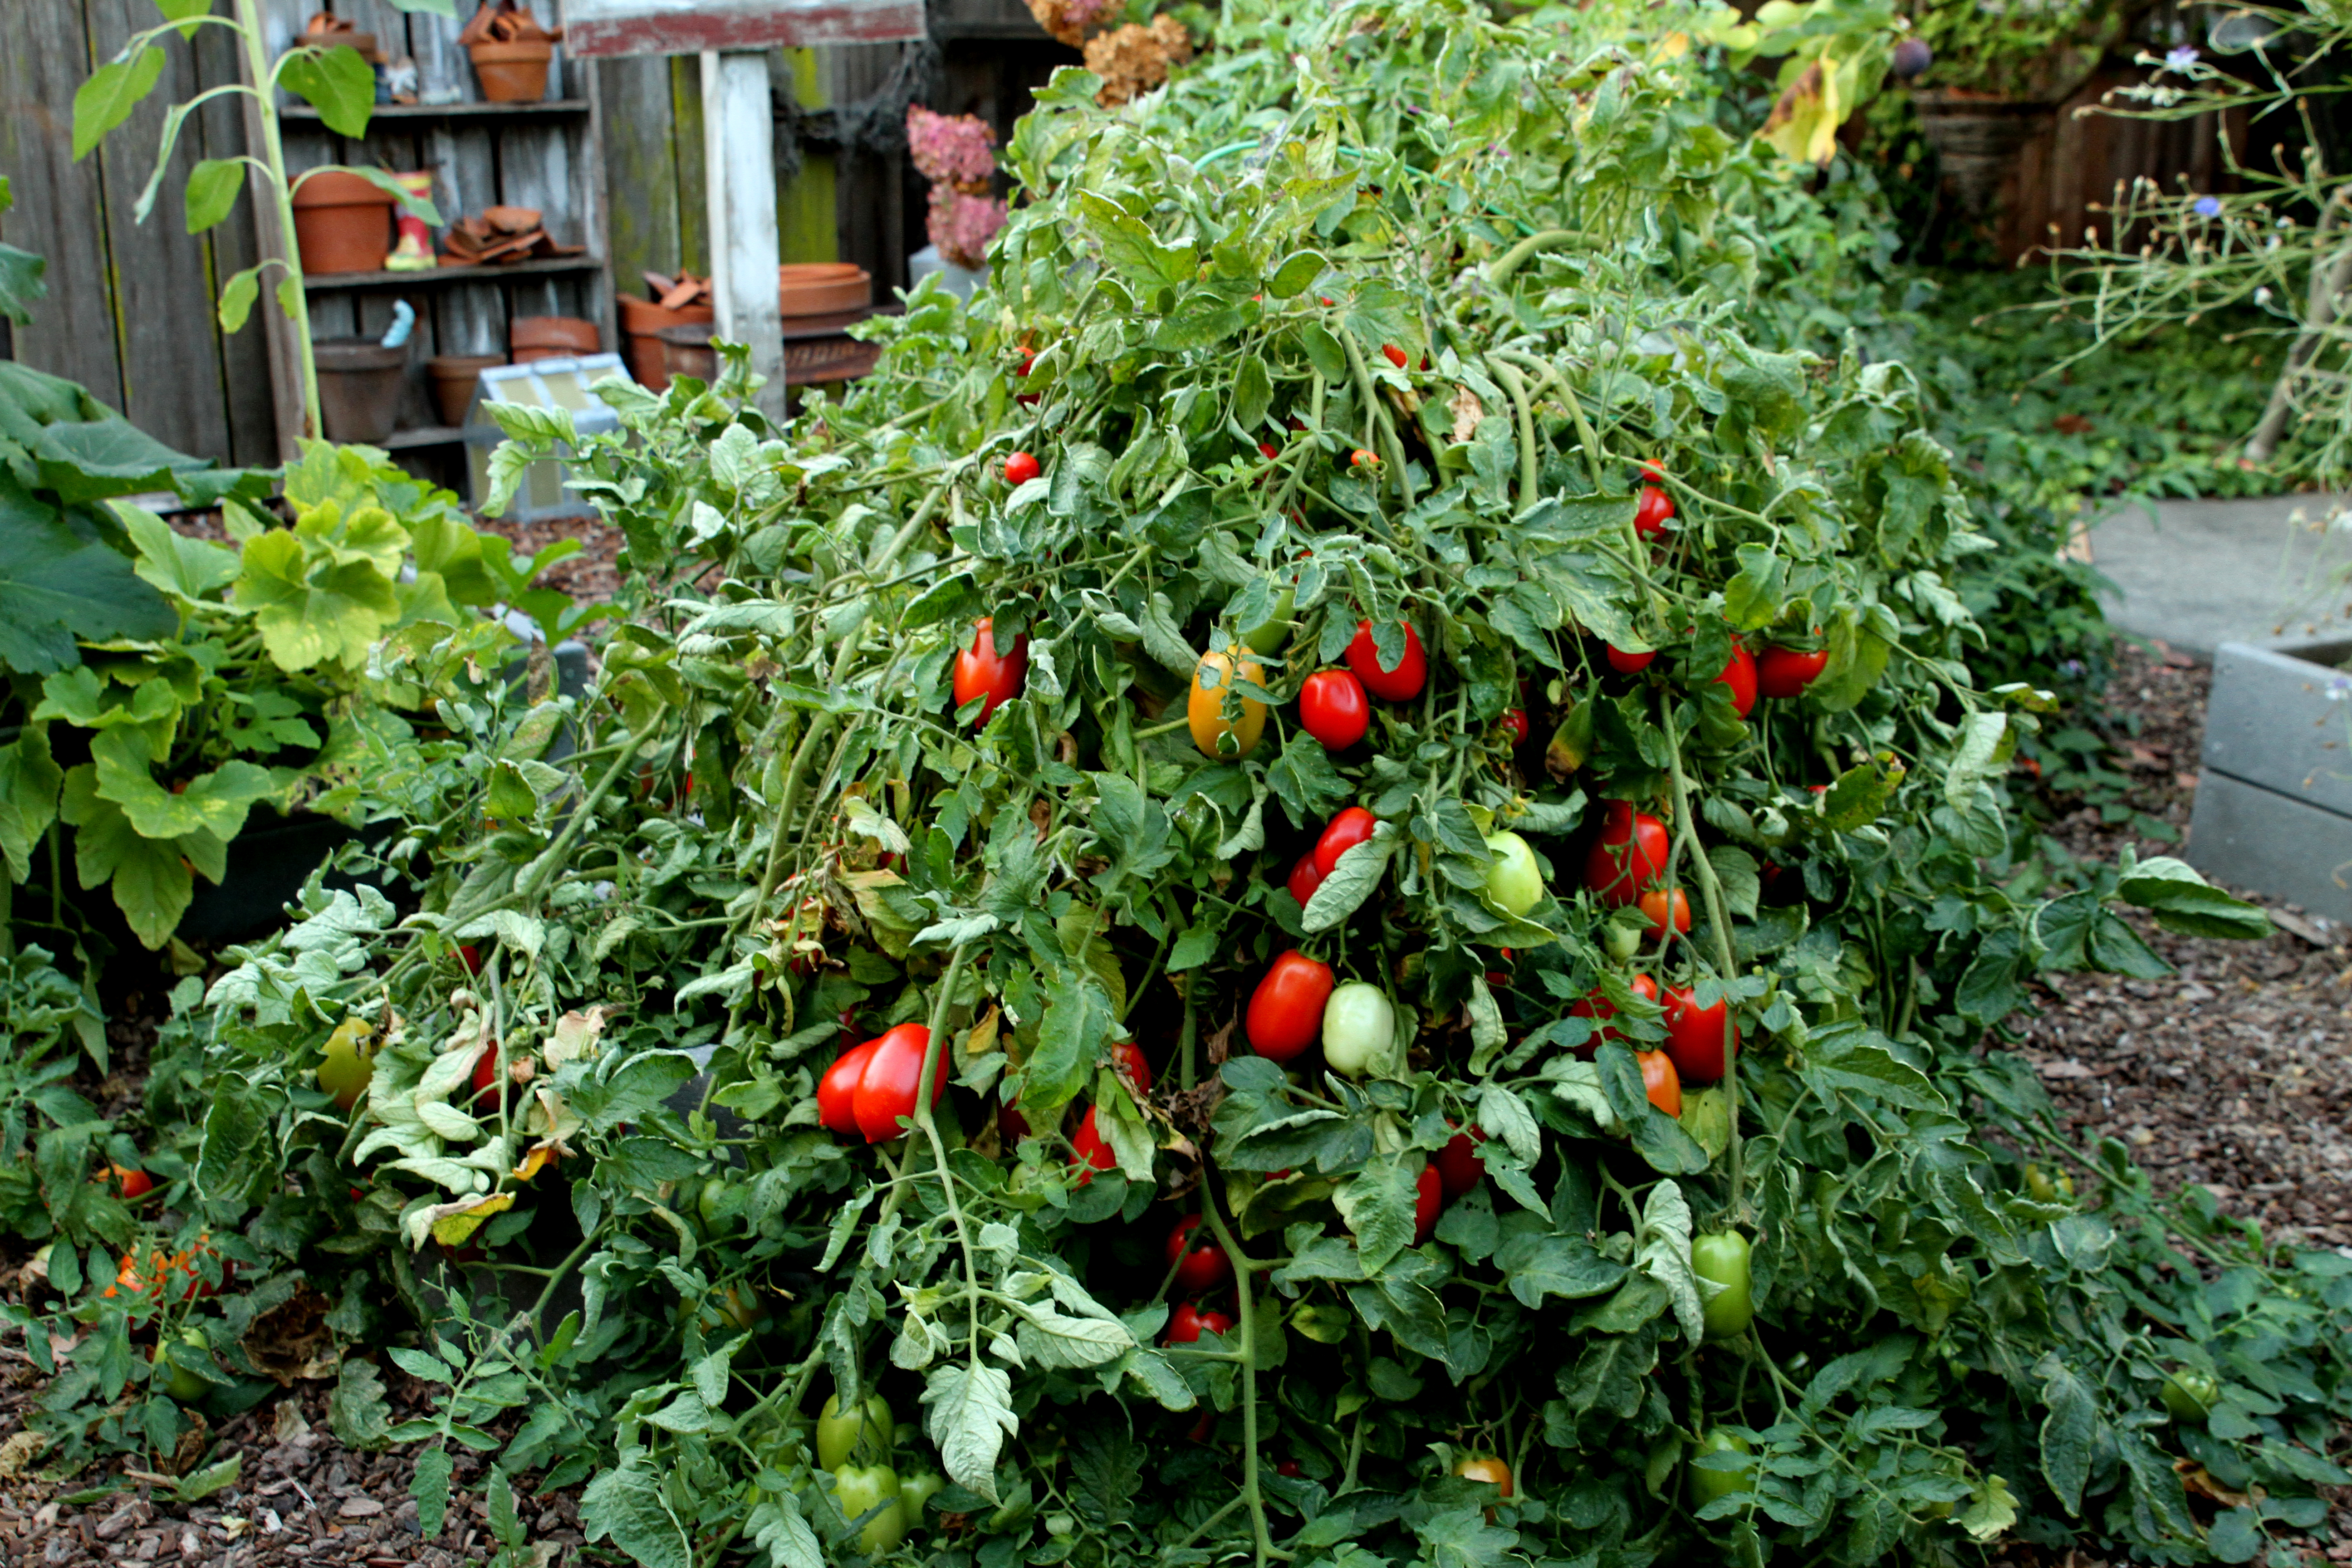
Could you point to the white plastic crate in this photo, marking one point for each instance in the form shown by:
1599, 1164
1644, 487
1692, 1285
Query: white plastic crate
543, 383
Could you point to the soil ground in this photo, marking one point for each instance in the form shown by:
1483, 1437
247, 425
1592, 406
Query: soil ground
2234, 1072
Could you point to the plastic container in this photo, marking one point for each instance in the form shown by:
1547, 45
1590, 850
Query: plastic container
341, 223
359, 384
511, 73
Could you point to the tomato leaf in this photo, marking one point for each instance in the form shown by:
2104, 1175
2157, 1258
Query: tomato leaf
1351, 882
1377, 1203
969, 1415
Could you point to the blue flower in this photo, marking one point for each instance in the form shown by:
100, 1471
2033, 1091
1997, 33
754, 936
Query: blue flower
2180, 57
2207, 206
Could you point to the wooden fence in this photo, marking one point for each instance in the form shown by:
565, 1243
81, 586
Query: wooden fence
130, 307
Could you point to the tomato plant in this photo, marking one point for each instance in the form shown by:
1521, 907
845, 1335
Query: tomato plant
1655, 509
1459, 1168
1188, 1322
1661, 1084
865, 1428
1624, 661
1513, 880
1700, 1039
1740, 677
1666, 909
1350, 828
1721, 1259
1020, 467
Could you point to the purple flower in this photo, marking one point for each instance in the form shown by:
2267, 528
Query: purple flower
2206, 206
2180, 57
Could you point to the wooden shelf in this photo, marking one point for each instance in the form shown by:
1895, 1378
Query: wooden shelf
549, 107
433, 275
425, 436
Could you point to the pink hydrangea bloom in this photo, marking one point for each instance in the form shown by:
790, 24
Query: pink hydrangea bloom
951, 149
962, 225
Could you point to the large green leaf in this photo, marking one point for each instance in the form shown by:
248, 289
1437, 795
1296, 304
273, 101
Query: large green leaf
307, 616
214, 802
106, 99
151, 880
337, 82
185, 568
57, 583
29, 782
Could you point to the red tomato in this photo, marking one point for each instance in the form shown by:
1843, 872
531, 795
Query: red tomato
1629, 856
128, 1182
1396, 355
1267, 449
1515, 719
1652, 511
1428, 1198
1657, 902
1305, 878
1094, 1152
1333, 709
1695, 1036
1028, 360
1740, 675
1652, 472
1285, 1011
1289, 1469
1459, 1168
1600, 1009
894, 1072
1020, 467
1785, 672
1660, 1082
471, 957
980, 672
1187, 1323
1348, 830
1402, 684
1200, 1263
1128, 1058
1361, 459
1625, 663
486, 1071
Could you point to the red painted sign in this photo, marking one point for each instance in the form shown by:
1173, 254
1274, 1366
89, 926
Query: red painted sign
602, 28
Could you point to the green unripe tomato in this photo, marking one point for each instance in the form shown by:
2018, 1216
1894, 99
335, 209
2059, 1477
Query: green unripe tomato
175, 1364
349, 1063
1623, 938
917, 1489
856, 1489
2189, 1394
1059, 1524
1707, 1485
1270, 634
2043, 1188
1721, 1257
720, 1205
839, 1433
1514, 882
1359, 1029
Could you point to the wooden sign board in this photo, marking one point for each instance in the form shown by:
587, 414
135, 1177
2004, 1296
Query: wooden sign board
602, 28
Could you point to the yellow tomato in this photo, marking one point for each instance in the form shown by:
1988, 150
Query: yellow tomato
1204, 707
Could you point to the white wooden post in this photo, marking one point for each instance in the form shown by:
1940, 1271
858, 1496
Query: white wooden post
740, 168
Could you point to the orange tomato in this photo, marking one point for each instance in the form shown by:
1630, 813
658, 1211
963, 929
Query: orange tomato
1661, 904
1486, 1467
1660, 1082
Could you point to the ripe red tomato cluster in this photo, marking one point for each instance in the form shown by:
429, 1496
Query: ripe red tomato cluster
872, 1087
980, 671
1629, 857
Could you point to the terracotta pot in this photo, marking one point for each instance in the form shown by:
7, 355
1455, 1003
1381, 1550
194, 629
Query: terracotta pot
536, 338
822, 288
359, 384
686, 351
1977, 138
511, 73
454, 378
641, 322
341, 223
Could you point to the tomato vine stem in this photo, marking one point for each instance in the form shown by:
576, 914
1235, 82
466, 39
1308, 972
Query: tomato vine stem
1244, 1266
1718, 921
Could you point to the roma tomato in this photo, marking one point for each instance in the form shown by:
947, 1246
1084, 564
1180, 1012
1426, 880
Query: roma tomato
839, 1432
1708, 1484
1132, 1065
1695, 1036
1785, 672
1661, 906
1459, 1168
1333, 709
486, 1071
1020, 467
1488, 1468
836, 1091
1285, 1011
1188, 1322
1402, 684
886, 1089
1200, 1263
1625, 663
1347, 830
130, 1182
1660, 1082
861, 1489
1305, 878
1600, 1009
1720, 1258
1513, 879
1629, 857
1515, 724
980, 672
1428, 1198
349, 1063
1359, 1029
1270, 634
176, 1363
1396, 356
1653, 512
1205, 702
1740, 675
1092, 1149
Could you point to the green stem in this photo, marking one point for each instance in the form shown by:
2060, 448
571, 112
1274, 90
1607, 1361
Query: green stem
1718, 921
927, 1124
1499, 270
1244, 1266
1525, 418
273, 155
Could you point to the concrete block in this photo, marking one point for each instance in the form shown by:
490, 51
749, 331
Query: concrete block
2281, 716
2272, 844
